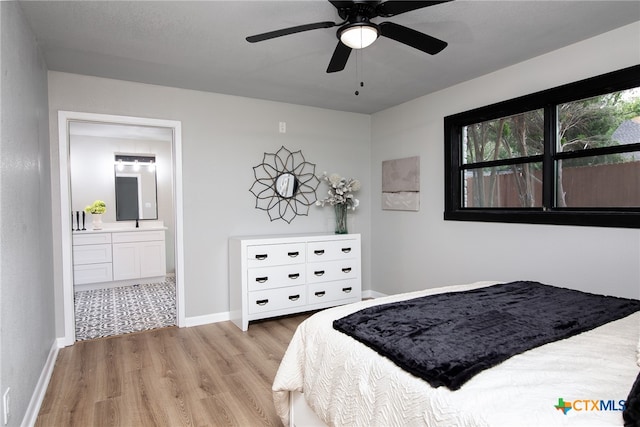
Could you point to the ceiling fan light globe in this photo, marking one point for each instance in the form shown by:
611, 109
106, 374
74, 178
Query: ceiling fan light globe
359, 36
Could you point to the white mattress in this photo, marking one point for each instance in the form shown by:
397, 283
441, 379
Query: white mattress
348, 384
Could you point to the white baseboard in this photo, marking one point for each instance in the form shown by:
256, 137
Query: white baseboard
37, 397
224, 316
372, 294
206, 319
119, 283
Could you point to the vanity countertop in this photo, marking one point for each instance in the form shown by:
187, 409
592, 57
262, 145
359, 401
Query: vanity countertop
122, 228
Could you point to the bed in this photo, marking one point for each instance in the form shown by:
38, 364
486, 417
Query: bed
329, 378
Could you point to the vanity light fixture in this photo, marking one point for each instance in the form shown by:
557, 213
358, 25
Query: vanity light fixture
359, 35
135, 161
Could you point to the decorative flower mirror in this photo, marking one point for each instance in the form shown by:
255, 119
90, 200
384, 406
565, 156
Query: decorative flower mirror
285, 184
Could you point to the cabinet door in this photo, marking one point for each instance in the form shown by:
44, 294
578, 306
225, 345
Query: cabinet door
152, 259
126, 261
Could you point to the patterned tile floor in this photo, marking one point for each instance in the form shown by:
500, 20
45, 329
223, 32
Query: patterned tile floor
116, 311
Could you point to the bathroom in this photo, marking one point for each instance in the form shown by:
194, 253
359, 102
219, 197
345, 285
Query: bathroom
124, 261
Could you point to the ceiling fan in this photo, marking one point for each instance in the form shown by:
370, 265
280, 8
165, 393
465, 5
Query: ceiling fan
357, 31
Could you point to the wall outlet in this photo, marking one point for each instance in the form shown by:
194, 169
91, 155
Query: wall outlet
282, 127
5, 405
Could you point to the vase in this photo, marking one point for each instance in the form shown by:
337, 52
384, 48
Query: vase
341, 218
96, 221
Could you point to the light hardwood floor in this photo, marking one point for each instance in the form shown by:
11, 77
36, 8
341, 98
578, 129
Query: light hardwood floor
211, 375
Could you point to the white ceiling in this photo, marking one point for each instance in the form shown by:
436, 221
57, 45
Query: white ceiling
201, 45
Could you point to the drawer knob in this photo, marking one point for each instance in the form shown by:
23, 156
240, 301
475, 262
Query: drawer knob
346, 290
294, 297
320, 293
262, 301
346, 250
294, 275
319, 251
293, 254
262, 279
319, 272
346, 270
261, 256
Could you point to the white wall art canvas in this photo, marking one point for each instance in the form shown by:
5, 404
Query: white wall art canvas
401, 184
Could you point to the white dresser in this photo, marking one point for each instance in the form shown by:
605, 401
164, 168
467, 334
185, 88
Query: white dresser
278, 275
116, 257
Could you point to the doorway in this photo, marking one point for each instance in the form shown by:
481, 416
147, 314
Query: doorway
172, 195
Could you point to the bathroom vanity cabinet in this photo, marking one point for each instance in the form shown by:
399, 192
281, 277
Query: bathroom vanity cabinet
113, 256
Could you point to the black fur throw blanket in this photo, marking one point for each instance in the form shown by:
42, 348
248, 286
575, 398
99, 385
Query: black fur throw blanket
446, 339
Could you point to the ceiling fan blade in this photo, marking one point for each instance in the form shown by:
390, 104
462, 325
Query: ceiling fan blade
413, 38
341, 4
339, 58
392, 7
291, 30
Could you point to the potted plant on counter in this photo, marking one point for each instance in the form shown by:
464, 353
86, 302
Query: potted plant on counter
96, 210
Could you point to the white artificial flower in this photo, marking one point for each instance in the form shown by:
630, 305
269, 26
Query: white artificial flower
334, 179
340, 191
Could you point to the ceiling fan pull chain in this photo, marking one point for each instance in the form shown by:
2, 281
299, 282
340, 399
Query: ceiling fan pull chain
359, 71
357, 60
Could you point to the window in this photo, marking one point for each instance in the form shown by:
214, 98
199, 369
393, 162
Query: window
568, 155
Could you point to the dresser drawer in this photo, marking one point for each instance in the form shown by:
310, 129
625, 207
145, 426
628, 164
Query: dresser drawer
91, 254
332, 250
277, 299
332, 291
332, 270
276, 277
269, 255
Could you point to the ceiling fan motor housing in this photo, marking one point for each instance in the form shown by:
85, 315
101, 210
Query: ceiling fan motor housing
358, 11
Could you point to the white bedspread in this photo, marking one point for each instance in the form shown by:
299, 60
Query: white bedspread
348, 384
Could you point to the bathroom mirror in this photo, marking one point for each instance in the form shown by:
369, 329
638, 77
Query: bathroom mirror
135, 187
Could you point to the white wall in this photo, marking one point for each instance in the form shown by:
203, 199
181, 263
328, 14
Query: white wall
26, 266
416, 250
223, 137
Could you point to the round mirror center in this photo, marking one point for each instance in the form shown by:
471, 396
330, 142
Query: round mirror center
286, 185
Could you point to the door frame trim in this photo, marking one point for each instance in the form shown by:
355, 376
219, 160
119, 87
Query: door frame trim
64, 118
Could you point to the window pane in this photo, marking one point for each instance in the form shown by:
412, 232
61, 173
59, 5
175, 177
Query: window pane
601, 121
599, 181
520, 135
514, 186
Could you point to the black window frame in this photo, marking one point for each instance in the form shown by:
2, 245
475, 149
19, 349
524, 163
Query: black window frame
548, 100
